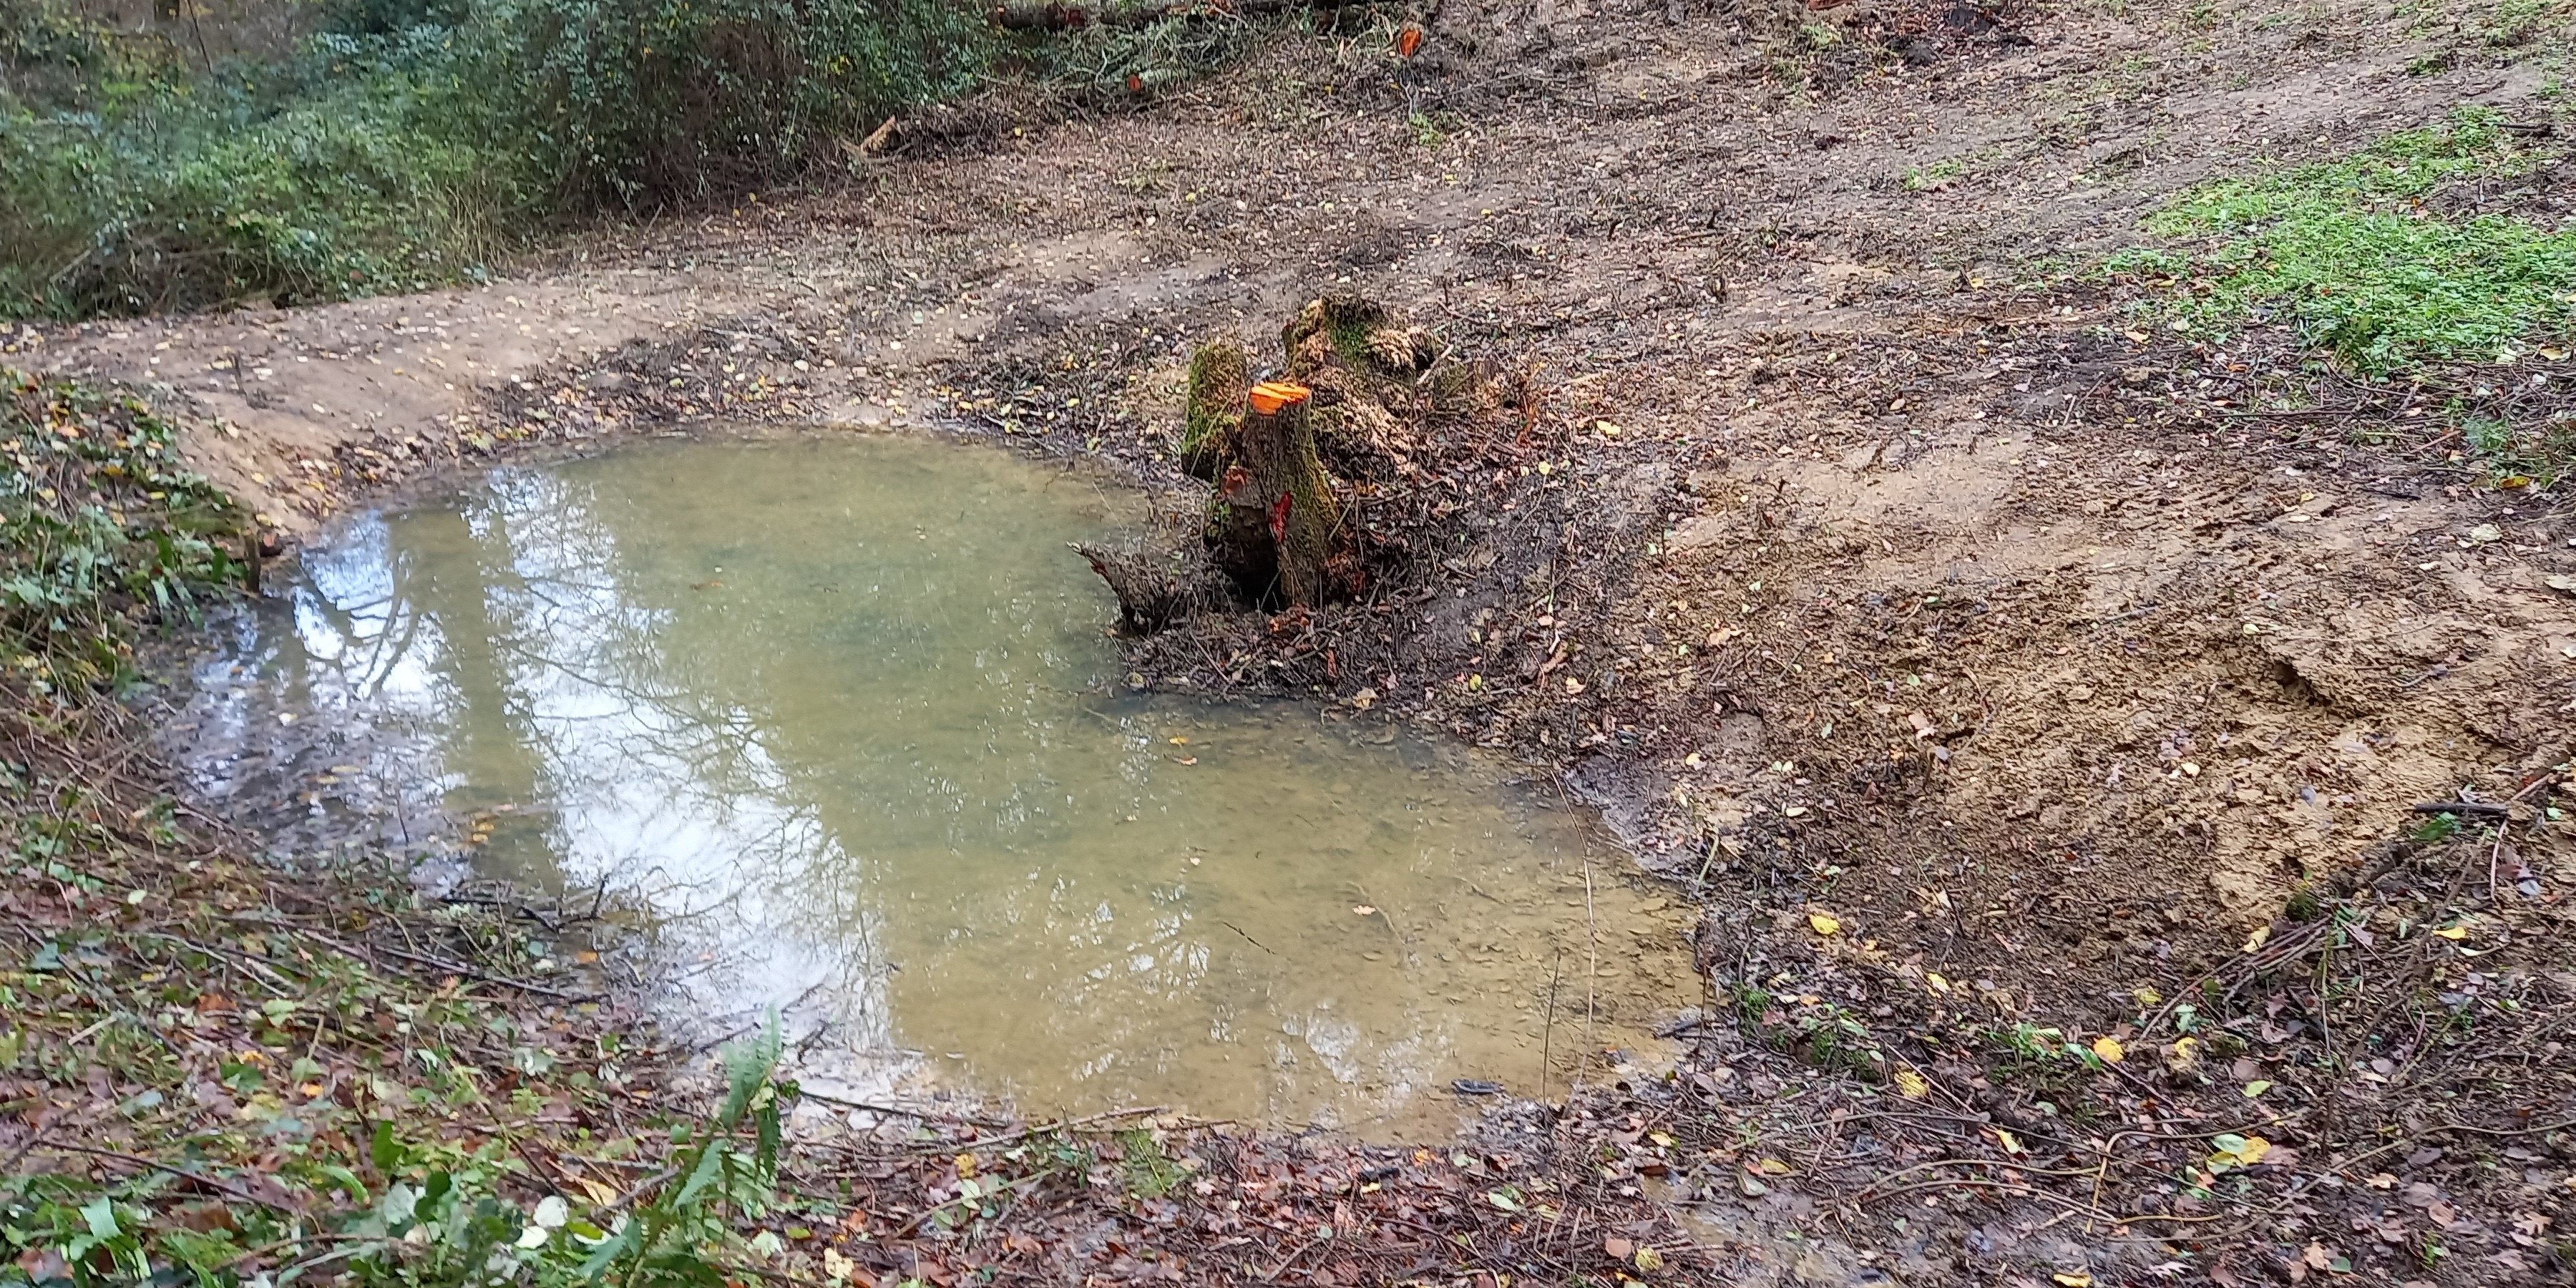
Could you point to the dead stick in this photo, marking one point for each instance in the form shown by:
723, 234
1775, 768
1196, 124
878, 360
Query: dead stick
1547, 1033
1592, 964
200, 1178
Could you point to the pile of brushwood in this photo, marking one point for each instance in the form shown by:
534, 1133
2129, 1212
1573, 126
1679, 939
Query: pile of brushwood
1327, 478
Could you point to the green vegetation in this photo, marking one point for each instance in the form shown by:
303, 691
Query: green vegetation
408, 141
401, 144
100, 530
2364, 256
1939, 174
209, 1072
1823, 1034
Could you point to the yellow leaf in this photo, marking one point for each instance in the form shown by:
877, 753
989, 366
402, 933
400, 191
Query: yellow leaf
2109, 1049
1939, 985
2453, 932
1825, 923
600, 1192
2258, 938
1914, 1085
1772, 1167
2146, 996
2074, 1279
2011, 1143
2230, 1150
1648, 1261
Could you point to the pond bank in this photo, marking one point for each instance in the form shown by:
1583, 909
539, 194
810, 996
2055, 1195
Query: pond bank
235, 1069
2040, 701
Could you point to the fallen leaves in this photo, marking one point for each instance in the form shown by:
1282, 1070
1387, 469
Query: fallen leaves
2229, 1150
1824, 923
2183, 1054
2108, 1050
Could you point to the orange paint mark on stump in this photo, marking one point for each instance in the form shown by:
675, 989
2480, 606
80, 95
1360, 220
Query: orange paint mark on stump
1270, 396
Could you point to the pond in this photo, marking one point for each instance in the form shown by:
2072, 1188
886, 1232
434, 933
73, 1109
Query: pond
843, 710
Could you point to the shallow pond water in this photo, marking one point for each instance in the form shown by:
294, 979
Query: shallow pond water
844, 711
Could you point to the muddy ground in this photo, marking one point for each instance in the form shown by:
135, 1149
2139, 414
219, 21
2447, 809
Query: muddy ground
2005, 674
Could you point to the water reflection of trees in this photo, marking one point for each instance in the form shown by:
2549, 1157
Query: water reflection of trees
835, 782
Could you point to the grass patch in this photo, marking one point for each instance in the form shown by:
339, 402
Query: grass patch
2359, 255
1933, 177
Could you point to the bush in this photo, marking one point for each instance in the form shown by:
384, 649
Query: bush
396, 150
643, 102
190, 201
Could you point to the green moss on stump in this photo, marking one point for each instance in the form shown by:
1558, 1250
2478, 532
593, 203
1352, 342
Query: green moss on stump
1220, 379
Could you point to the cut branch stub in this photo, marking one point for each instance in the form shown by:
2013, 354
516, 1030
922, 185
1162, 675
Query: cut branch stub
1275, 520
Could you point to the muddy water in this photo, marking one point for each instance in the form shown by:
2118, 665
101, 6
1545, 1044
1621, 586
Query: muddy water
843, 709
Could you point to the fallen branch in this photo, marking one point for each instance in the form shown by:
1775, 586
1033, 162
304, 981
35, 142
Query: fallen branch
2482, 809
220, 1187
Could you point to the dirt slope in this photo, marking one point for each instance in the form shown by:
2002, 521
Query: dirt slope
1879, 585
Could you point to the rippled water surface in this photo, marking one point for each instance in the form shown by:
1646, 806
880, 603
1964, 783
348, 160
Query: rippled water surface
843, 709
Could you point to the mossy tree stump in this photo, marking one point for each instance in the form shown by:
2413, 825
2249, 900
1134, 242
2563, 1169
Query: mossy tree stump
1318, 475
1220, 381
1275, 519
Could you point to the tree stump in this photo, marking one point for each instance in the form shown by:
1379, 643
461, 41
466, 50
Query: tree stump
1275, 520
1220, 380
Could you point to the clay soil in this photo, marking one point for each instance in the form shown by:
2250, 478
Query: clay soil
2039, 701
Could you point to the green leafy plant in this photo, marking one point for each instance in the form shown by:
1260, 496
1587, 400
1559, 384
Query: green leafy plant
101, 530
2435, 829
1151, 1173
444, 1221
719, 1182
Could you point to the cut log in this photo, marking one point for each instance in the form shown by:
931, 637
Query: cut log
1275, 520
